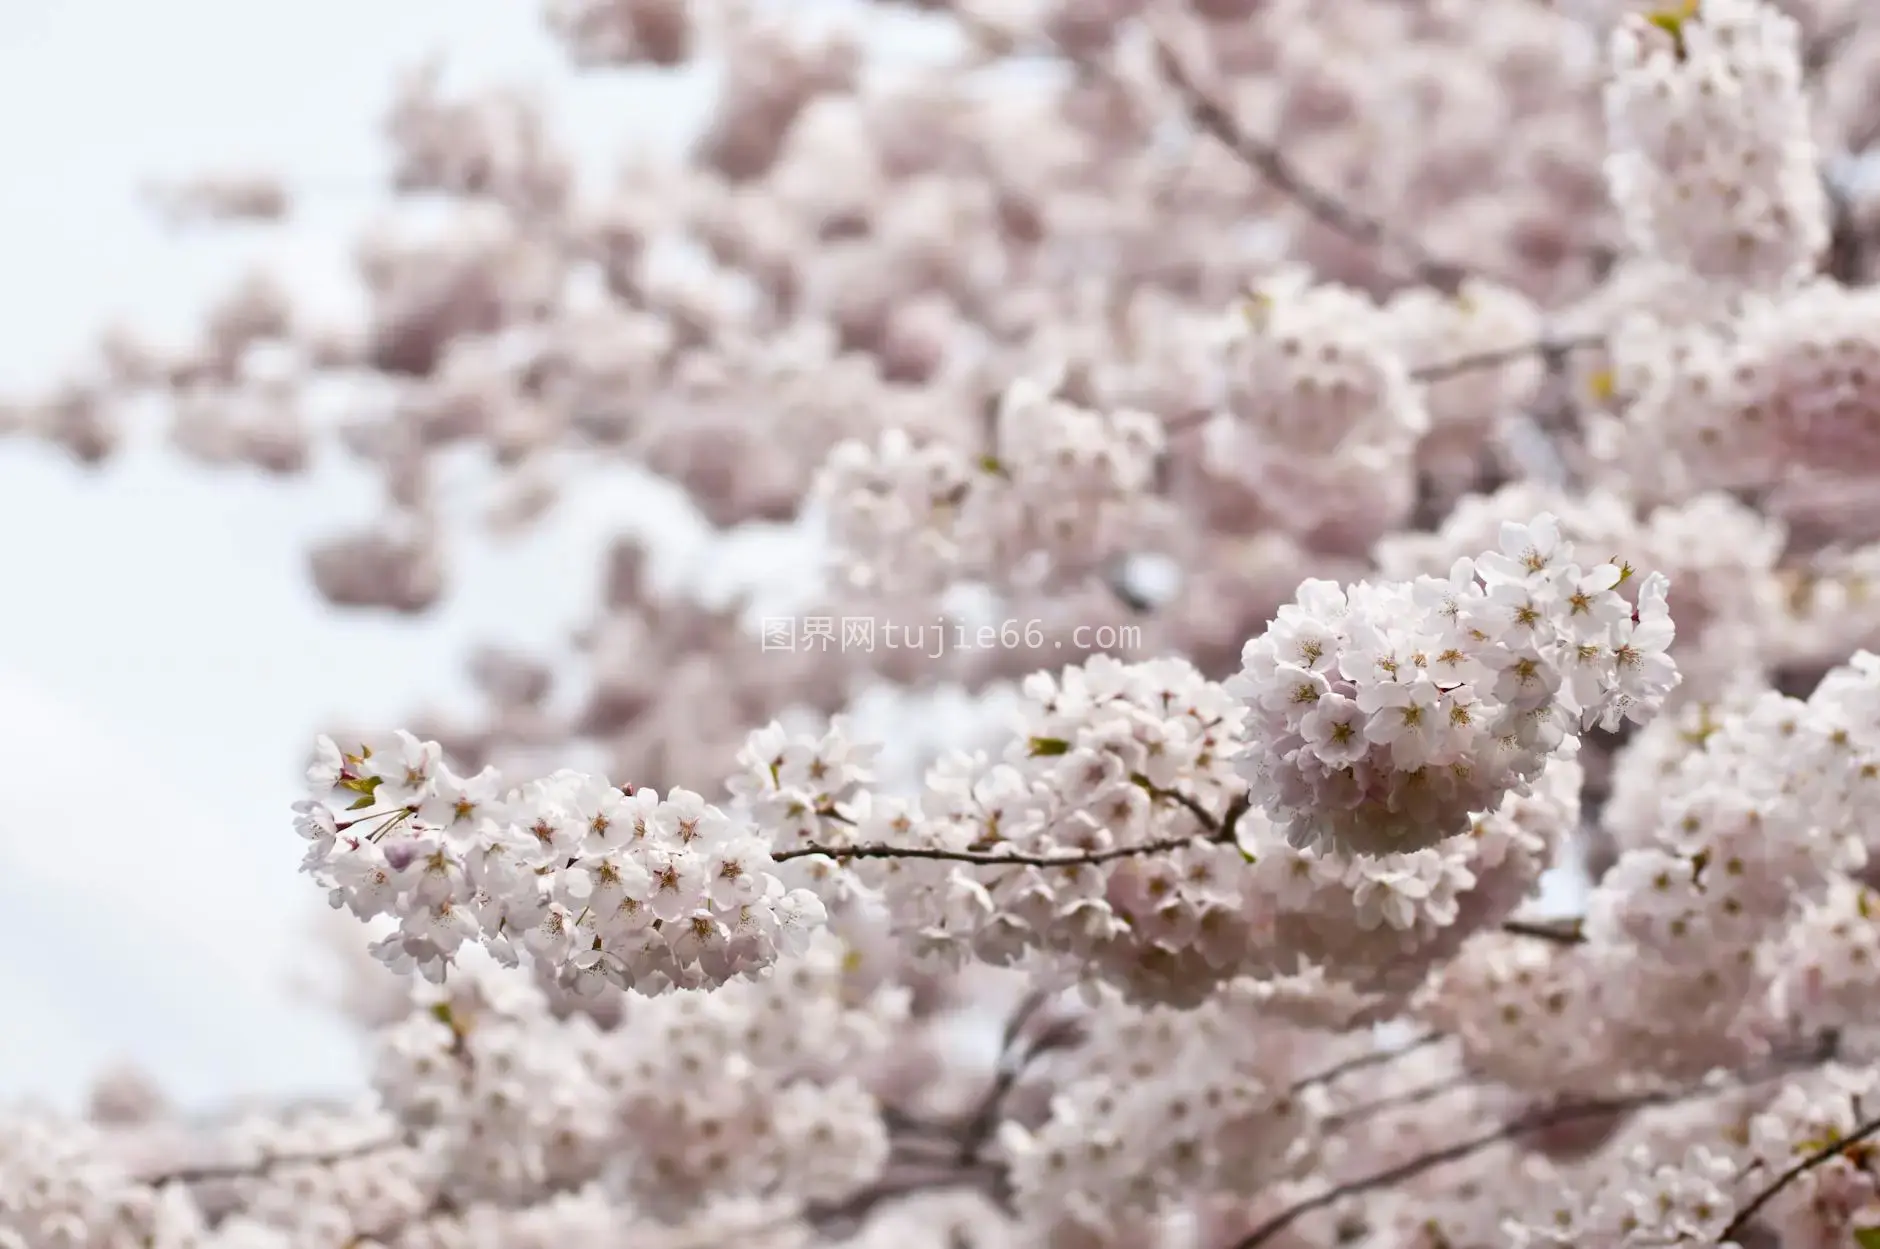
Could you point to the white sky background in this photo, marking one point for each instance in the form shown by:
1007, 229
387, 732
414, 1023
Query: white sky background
163, 661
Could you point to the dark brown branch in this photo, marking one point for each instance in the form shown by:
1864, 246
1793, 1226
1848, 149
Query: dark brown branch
1014, 1061
1818, 53
1822, 1050
1526, 1125
1028, 1006
1202, 815
1116, 582
845, 1215
1825, 1154
1267, 160
1558, 931
990, 858
1229, 833
1555, 425
1546, 348
1222, 830
1846, 256
1398, 1101
217, 1172
1371, 1059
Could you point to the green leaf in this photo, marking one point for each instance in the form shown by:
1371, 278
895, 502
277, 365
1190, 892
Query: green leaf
1671, 20
1043, 747
1867, 1237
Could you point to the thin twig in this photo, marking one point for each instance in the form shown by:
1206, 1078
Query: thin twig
1514, 1129
1397, 1101
1822, 1051
1202, 815
1221, 829
1818, 53
1014, 1061
1267, 160
1542, 347
852, 1210
903, 1126
1845, 256
1116, 582
398, 812
992, 858
1558, 931
213, 1172
1370, 1059
1763, 1198
1028, 1006
1229, 833
1553, 429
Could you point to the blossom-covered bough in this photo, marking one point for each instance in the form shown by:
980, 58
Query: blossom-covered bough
1397, 407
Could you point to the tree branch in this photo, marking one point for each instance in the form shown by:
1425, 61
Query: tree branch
1222, 829
1558, 931
1513, 1130
1554, 428
1267, 160
1822, 1051
1371, 1059
1818, 54
846, 1214
1775, 1186
1413, 1097
1229, 831
1546, 348
1014, 1060
1264, 158
1846, 255
990, 858
256, 1168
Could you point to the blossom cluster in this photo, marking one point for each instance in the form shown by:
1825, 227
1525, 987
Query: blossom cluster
1318, 406
1384, 716
596, 883
1699, 184
1062, 490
